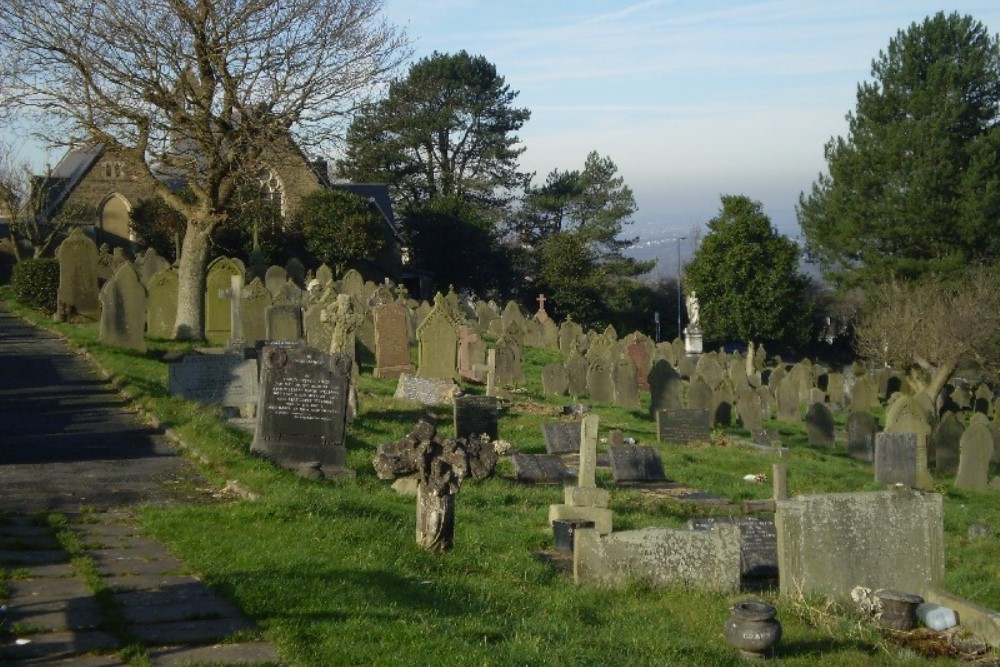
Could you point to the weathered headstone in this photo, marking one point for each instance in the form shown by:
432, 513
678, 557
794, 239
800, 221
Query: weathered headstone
392, 348
576, 372
682, 426
758, 544
509, 369
471, 354
561, 437
476, 416
636, 463
123, 313
585, 501
539, 468
555, 380
427, 391
228, 380
861, 430
946, 438
864, 394
274, 280
699, 395
664, 387
788, 400
253, 311
722, 405
710, 370
437, 339
78, 292
626, 386
600, 386
638, 351
750, 410
149, 264
283, 323
975, 452
218, 312
910, 419
896, 458
302, 410
820, 425
161, 304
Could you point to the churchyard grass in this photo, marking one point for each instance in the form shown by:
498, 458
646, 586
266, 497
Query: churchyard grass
333, 575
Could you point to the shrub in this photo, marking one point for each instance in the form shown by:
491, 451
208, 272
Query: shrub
35, 283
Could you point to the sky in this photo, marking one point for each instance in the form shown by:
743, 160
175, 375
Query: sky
691, 99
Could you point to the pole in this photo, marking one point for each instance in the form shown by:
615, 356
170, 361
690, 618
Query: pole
679, 239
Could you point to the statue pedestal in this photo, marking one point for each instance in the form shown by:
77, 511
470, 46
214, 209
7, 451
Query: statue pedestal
693, 340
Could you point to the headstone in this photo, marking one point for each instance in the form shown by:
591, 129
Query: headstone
665, 387
218, 312
975, 452
78, 292
253, 311
896, 458
585, 501
636, 463
302, 410
296, 271
228, 380
946, 438
471, 354
437, 339
484, 315
750, 410
682, 426
324, 275
149, 264
539, 468
638, 352
600, 386
569, 333
722, 405
123, 312
910, 420
392, 348
353, 283
561, 437
161, 304
476, 416
283, 323
820, 426
626, 385
274, 280
508, 359
699, 395
709, 370
555, 380
864, 394
576, 372
427, 391
758, 543
788, 400
861, 430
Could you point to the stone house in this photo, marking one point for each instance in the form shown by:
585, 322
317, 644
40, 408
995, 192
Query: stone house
98, 188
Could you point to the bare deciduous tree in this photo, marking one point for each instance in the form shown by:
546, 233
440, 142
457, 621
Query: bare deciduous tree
198, 90
931, 327
33, 233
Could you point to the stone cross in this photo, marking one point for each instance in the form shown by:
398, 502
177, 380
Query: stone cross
234, 294
541, 315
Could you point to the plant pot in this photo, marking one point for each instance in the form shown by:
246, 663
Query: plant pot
899, 610
753, 629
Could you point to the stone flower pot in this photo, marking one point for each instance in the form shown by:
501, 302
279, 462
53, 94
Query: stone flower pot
753, 629
899, 610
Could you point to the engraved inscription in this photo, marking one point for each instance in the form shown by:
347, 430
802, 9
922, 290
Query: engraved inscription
303, 398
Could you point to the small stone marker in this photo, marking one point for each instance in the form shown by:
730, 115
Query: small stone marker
426, 391
562, 437
476, 416
682, 426
302, 410
758, 543
896, 458
539, 468
636, 463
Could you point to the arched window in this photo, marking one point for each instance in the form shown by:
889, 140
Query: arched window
113, 221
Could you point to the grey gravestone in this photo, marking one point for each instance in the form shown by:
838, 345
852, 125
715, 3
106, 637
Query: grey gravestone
218, 311
638, 351
976, 450
710, 370
161, 304
392, 348
123, 312
664, 387
471, 354
750, 410
682, 426
437, 340
626, 385
600, 386
861, 430
228, 380
283, 323
476, 415
758, 543
509, 370
946, 438
253, 311
896, 458
302, 410
562, 437
296, 271
274, 280
539, 468
428, 391
569, 333
636, 463
820, 425
864, 394
576, 373
324, 275
788, 400
555, 380
722, 405
78, 274
149, 264
699, 395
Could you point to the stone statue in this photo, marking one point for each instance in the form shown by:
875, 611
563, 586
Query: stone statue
694, 310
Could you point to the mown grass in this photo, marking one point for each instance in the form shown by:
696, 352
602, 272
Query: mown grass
333, 575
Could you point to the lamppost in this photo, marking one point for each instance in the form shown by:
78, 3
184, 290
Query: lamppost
679, 239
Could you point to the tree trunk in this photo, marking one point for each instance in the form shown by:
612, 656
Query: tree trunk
190, 322
939, 378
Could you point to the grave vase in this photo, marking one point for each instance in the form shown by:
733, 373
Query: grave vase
899, 610
753, 629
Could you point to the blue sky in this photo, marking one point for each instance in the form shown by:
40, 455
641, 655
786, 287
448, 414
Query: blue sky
690, 99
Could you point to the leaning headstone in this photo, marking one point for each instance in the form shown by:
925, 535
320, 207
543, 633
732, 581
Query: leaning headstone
561, 437
392, 348
896, 458
758, 544
539, 468
302, 410
555, 380
426, 391
664, 387
636, 463
437, 340
820, 425
78, 291
861, 430
682, 426
975, 452
710, 370
476, 416
161, 304
227, 380
123, 312
946, 438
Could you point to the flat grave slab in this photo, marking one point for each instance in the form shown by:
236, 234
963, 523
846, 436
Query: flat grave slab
539, 468
636, 463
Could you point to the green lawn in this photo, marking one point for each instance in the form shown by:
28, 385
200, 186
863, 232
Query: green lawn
332, 572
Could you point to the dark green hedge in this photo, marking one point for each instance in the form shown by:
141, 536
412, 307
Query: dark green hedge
35, 283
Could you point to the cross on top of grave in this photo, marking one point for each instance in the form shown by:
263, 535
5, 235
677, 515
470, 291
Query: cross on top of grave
541, 315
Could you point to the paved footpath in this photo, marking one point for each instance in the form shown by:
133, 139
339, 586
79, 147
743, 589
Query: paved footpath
68, 442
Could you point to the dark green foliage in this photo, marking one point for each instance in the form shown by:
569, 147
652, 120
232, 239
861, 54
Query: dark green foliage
35, 283
914, 188
158, 226
340, 227
747, 279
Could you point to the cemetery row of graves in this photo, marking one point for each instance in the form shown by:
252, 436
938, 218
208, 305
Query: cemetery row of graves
655, 448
